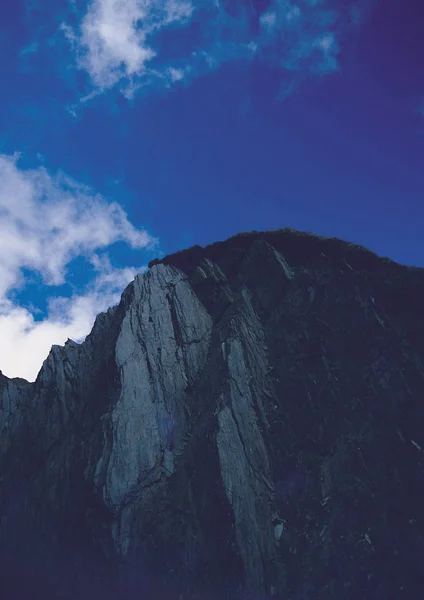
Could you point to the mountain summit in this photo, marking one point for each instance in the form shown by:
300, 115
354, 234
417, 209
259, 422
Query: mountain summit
248, 422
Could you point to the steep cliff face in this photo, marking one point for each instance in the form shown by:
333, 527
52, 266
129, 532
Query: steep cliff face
247, 423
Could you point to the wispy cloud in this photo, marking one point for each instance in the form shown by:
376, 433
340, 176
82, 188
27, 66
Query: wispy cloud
116, 41
304, 35
29, 49
112, 43
46, 221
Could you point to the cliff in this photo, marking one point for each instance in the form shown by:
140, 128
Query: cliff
248, 422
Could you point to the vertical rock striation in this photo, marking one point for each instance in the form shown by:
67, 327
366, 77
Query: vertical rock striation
247, 423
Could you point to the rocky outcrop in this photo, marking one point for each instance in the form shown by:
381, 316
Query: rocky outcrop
247, 423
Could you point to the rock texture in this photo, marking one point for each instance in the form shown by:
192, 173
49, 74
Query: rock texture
248, 422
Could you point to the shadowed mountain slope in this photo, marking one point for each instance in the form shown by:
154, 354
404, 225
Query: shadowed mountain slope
248, 423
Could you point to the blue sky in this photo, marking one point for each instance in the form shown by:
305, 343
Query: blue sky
130, 129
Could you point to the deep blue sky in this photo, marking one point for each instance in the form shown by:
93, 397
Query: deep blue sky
255, 141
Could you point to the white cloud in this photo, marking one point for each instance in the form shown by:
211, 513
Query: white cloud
45, 222
116, 41
293, 13
120, 43
268, 19
328, 47
112, 42
176, 74
177, 11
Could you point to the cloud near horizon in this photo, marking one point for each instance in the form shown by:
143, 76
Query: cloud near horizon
116, 43
47, 221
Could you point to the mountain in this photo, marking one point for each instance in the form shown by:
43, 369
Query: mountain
248, 422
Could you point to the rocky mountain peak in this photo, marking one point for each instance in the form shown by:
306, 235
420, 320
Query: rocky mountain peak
246, 423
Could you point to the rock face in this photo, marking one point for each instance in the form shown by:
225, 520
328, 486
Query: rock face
248, 422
